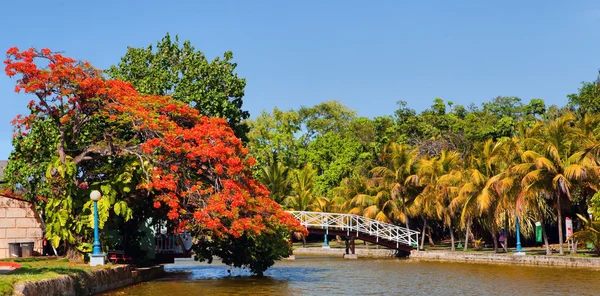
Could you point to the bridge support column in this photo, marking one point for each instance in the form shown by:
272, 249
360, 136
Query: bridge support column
347, 245
350, 249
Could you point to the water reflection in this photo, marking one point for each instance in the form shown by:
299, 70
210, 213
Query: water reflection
334, 276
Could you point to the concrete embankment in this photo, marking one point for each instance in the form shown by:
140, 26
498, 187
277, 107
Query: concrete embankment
459, 256
88, 283
535, 260
362, 253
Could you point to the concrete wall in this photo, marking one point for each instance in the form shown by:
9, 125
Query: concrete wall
503, 258
362, 253
19, 222
89, 283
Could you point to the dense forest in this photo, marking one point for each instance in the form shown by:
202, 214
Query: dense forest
453, 172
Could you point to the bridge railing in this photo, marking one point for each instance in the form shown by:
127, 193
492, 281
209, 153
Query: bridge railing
355, 223
172, 243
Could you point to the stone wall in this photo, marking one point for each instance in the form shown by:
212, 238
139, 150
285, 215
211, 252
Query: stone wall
19, 222
88, 283
503, 258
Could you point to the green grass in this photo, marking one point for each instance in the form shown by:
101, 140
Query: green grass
33, 269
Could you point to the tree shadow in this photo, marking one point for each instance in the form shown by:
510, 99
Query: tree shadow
28, 270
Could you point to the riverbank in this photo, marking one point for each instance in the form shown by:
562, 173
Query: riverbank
463, 257
33, 280
333, 275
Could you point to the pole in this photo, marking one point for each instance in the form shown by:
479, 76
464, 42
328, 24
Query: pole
96, 250
518, 237
325, 243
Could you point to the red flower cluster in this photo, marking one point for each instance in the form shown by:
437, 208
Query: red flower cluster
197, 168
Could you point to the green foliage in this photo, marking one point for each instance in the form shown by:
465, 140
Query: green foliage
30, 159
256, 252
335, 156
273, 138
274, 177
331, 116
302, 197
587, 100
181, 71
589, 233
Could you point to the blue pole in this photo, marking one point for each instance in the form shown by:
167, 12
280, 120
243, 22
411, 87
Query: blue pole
518, 237
325, 243
96, 250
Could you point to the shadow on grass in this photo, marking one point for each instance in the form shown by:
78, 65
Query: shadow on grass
34, 259
29, 270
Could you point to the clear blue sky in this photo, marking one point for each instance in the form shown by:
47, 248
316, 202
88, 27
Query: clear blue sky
367, 54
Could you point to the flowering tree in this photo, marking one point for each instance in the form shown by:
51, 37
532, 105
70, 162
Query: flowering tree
151, 156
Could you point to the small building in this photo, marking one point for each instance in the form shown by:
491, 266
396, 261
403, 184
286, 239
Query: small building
19, 222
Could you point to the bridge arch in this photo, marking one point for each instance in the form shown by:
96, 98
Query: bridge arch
355, 226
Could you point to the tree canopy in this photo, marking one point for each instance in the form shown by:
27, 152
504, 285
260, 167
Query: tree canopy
185, 74
150, 155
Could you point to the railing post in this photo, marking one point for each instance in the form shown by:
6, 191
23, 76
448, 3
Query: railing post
348, 224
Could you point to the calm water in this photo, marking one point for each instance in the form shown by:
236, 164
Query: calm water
334, 276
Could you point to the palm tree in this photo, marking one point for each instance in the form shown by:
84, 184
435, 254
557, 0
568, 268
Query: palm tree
401, 165
349, 188
552, 168
274, 177
436, 196
377, 203
448, 191
303, 198
480, 195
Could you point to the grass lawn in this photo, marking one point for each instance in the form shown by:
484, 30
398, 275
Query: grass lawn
40, 268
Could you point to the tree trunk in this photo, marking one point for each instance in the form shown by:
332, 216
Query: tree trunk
423, 236
405, 216
430, 237
61, 146
548, 251
505, 232
72, 254
468, 232
560, 225
494, 237
452, 248
303, 241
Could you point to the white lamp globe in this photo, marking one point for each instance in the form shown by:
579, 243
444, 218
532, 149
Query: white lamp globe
95, 195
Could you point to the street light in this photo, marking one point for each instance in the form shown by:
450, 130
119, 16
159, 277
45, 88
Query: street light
96, 258
325, 243
590, 245
518, 251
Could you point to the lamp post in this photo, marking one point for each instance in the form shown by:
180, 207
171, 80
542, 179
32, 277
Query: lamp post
96, 258
518, 251
325, 243
590, 245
